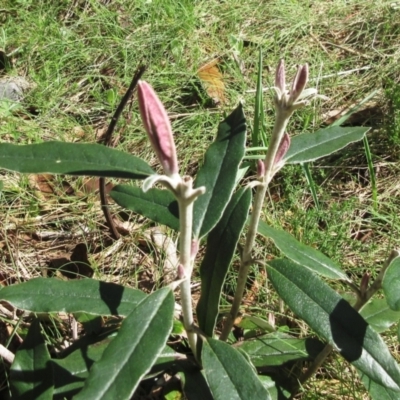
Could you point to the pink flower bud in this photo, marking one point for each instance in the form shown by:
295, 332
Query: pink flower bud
280, 80
181, 272
158, 127
282, 149
299, 83
260, 169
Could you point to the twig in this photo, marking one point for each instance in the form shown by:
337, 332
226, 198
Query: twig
6, 354
107, 142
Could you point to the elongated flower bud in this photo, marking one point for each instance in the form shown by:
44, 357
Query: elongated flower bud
158, 127
260, 169
280, 79
282, 149
299, 83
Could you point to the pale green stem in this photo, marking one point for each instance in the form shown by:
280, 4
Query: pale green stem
185, 246
281, 121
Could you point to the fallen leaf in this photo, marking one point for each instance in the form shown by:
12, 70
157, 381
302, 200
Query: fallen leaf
212, 81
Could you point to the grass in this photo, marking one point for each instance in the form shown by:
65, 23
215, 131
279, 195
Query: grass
79, 57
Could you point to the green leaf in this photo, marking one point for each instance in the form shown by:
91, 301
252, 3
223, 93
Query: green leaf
158, 205
194, 384
379, 315
391, 284
334, 319
218, 173
31, 374
255, 323
312, 146
72, 159
72, 369
221, 246
302, 254
277, 348
378, 392
228, 374
276, 392
131, 354
86, 295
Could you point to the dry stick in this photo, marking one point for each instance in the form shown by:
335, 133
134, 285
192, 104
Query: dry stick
107, 142
6, 354
361, 301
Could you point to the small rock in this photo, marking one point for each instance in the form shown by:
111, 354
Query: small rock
13, 88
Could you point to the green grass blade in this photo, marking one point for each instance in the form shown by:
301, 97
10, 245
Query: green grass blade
256, 140
371, 171
354, 109
311, 184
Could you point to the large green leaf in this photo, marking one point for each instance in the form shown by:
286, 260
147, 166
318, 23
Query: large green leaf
276, 392
221, 245
72, 369
379, 315
86, 295
158, 205
72, 159
31, 374
277, 348
194, 384
391, 284
378, 392
312, 146
218, 173
131, 354
302, 254
334, 319
228, 374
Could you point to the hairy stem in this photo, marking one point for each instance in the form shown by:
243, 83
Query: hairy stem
185, 246
281, 121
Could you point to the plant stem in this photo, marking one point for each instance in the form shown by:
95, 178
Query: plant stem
185, 259
281, 121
